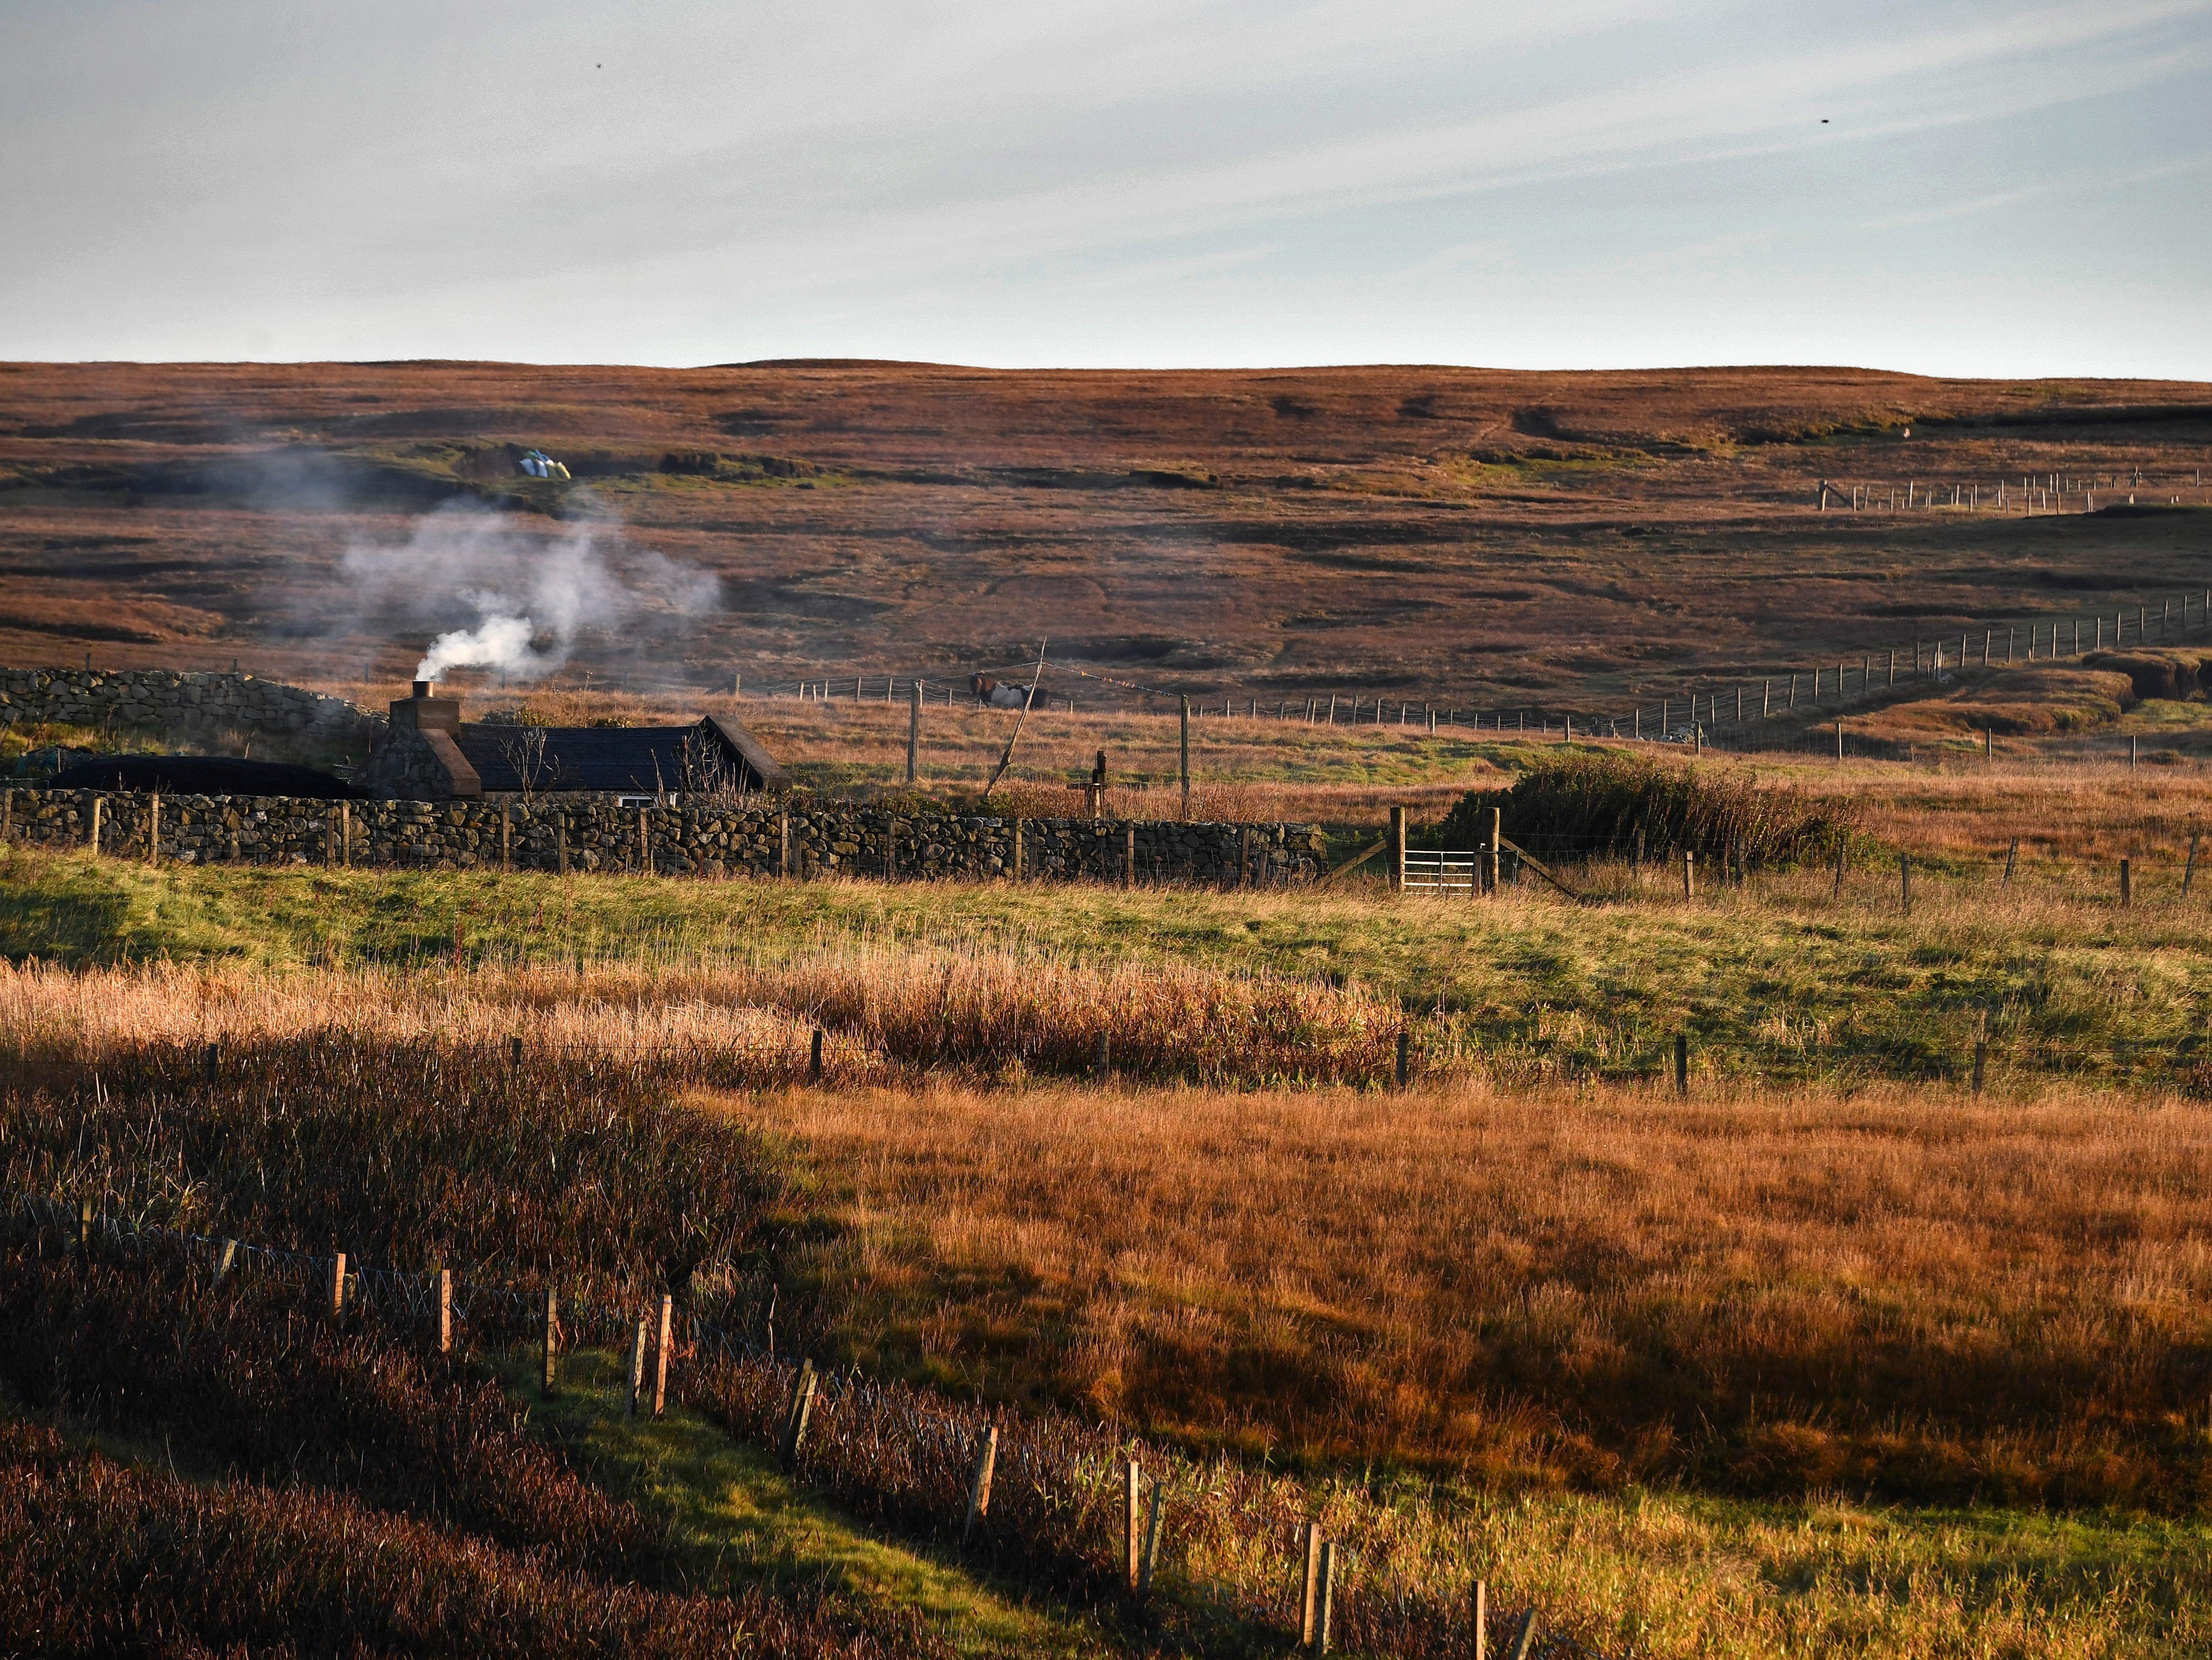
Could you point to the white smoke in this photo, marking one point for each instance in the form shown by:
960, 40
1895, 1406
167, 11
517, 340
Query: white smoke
516, 599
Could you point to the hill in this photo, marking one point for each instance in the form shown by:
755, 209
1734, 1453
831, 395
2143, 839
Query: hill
1472, 537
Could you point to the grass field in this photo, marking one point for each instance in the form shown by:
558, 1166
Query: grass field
1834, 1355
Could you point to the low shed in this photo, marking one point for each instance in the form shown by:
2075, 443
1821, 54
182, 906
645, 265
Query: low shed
432, 755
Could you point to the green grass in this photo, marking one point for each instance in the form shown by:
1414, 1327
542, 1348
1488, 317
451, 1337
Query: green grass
735, 1519
1781, 980
1664, 1571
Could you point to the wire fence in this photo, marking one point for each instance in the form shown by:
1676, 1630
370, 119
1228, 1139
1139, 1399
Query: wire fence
910, 1453
1741, 703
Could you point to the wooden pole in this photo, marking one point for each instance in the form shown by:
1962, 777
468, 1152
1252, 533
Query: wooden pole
337, 1285
1405, 1057
1981, 1059
1308, 1598
1132, 1486
1496, 849
1151, 1543
1326, 1598
551, 1340
1523, 1637
978, 1488
2189, 870
800, 1412
1183, 765
507, 835
1904, 881
636, 1379
2127, 886
1397, 849
1482, 1611
2012, 857
97, 803
1689, 876
814, 1058
662, 1341
1842, 853
783, 841
444, 1311
914, 734
1130, 856
1682, 1064
153, 829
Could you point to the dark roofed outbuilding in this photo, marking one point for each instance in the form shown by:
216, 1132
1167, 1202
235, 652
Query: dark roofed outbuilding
431, 756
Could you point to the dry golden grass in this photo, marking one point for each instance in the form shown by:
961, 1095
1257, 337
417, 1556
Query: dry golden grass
1896, 1291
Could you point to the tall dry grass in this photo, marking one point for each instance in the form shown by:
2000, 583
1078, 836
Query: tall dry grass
887, 1009
1782, 1292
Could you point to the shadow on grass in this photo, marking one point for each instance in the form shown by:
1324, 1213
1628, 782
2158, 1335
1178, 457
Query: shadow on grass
735, 1519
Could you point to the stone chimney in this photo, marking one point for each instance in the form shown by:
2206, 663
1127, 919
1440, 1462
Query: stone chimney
421, 712
420, 759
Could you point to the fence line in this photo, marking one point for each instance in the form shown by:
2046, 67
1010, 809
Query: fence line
1699, 709
935, 1428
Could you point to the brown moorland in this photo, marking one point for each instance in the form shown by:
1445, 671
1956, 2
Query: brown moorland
1478, 537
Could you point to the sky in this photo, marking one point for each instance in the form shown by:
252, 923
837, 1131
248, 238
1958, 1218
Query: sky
1947, 186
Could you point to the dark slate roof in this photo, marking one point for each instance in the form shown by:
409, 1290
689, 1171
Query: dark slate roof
629, 760
203, 775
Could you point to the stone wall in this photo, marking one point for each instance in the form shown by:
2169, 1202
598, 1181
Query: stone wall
194, 704
594, 833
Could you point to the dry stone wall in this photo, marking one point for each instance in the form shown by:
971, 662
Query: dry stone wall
584, 834
173, 700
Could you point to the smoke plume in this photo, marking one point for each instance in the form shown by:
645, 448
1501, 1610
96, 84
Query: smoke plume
517, 601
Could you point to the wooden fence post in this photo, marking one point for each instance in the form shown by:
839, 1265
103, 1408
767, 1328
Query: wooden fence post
2127, 886
1682, 1064
507, 835
661, 1343
551, 1340
444, 1311
636, 1380
226, 1259
1131, 1485
337, 1285
1397, 849
84, 1227
800, 1412
978, 1488
1183, 763
1018, 849
1130, 856
1482, 1611
1842, 851
1523, 1637
644, 845
914, 734
1981, 1059
153, 829
1689, 875
94, 842
1151, 1543
1405, 1057
1904, 881
1325, 1597
1098, 1066
1308, 1603
2189, 870
814, 1058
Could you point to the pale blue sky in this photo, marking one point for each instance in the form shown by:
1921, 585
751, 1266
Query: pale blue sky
2000, 188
